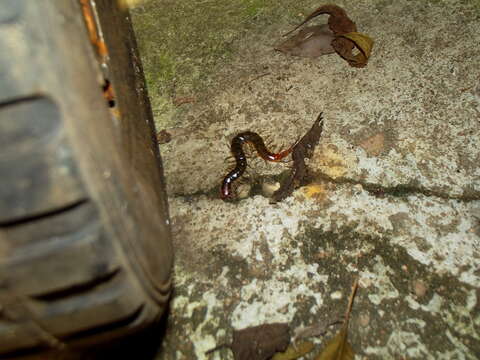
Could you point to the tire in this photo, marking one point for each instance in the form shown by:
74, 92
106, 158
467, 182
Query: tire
85, 248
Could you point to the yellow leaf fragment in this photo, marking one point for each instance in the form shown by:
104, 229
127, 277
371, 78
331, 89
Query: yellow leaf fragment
124, 4
338, 348
363, 43
294, 352
317, 191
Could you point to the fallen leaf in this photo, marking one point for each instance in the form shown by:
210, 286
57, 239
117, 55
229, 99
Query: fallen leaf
338, 21
295, 351
312, 42
346, 38
302, 150
361, 41
338, 348
258, 342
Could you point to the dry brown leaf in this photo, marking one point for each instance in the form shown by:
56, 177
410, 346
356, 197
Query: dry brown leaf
258, 342
295, 351
338, 21
346, 38
301, 151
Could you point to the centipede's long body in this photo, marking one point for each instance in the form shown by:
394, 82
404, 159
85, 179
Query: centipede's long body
236, 148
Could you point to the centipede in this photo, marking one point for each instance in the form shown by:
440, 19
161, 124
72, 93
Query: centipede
236, 148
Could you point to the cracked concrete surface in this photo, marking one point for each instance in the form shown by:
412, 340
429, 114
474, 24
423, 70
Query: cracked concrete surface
394, 196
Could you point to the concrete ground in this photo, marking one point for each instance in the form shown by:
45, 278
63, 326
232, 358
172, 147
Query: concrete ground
395, 195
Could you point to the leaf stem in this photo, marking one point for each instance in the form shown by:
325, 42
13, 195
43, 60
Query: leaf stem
350, 302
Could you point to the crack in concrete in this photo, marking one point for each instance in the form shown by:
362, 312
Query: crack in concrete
400, 190
377, 190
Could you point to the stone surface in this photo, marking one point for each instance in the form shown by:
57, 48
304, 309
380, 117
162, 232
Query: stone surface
395, 192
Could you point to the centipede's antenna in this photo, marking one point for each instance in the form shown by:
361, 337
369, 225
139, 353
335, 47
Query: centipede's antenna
297, 141
280, 149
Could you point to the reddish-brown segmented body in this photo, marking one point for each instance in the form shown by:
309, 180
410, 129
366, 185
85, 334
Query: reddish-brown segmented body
241, 160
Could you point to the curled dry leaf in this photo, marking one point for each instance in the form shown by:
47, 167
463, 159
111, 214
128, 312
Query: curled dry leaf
338, 21
361, 41
345, 39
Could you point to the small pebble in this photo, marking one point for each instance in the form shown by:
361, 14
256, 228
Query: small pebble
364, 320
336, 295
243, 190
419, 288
268, 188
358, 188
365, 282
322, 254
